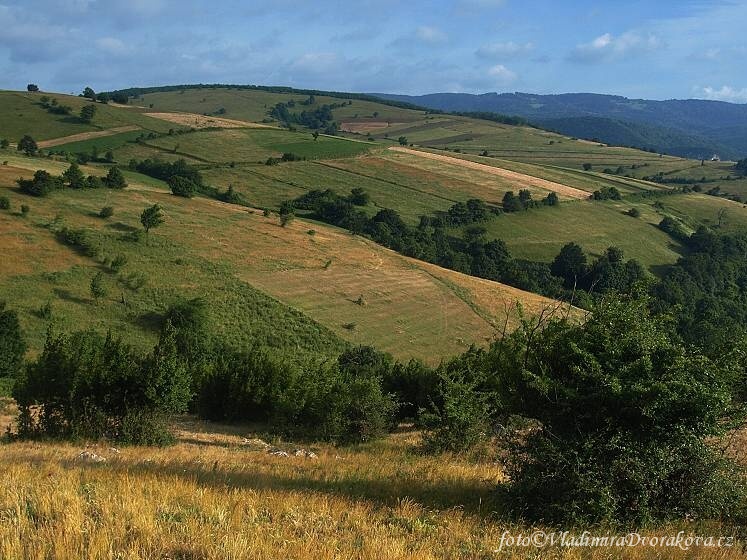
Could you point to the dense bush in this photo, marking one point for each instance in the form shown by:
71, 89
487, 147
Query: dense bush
343, 402
165, 171
624, 416
607, 193
181, 186
87, 386
42, 184
12, 344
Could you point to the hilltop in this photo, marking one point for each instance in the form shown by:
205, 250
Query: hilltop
690, 128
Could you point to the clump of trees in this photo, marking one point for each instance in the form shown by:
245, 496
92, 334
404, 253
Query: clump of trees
183, 179
320, 118
27, 145
87, 386
609, 421
43, 182
607, 193
87, 112
513, 203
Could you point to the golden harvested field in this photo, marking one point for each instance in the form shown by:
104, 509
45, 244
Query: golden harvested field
219, 494
520, 180
363, 292
407, 307
86, 136
363, 126
202, 121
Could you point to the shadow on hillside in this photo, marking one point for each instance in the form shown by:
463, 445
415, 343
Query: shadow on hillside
473, 499
149, 320
119, 226
67, 295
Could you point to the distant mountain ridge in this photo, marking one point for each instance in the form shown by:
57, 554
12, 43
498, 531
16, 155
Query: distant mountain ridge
691, 127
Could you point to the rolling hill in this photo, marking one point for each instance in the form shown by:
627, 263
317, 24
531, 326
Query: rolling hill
690, 128
311, 271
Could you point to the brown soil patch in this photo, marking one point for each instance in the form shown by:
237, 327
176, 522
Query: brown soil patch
86, 136
366, 126
520, 178
202, 121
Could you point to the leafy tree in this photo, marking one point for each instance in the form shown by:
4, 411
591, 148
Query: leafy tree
634, 212
12, 344
570, 265
102, 97
27, 145
97, 286
623, 417
402, 140
74, 177
587, 167
511, 203
41, 185
89, 93
151, 217
4, 143
359, 197
25, 209
4, 203
551, 199
86, 386
287, 213
115, 179
106, 212
32, 87
120, 98
315, 134
87, 112
182, 186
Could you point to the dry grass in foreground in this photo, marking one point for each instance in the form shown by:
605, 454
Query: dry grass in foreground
214, 496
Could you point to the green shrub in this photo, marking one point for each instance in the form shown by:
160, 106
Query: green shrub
4, 203
460, 413
12, 344
182, 186
42, 184
88, 386
106, 212
625, 421
25, 209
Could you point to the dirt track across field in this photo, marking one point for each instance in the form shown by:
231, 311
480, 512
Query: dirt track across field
203, 121
520, 178
86, 136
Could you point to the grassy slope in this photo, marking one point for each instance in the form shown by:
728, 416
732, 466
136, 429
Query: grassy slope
21, 113
219, 251
212, 497
540, 233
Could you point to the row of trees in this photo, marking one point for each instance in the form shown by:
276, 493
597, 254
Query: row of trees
43, 182
473, 253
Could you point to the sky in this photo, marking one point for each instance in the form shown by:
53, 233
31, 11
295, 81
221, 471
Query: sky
652, 49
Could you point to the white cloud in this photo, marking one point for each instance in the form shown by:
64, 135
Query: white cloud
112, 45
315, 63
498, 51
428, 34
608, 47
502, 75
725, 93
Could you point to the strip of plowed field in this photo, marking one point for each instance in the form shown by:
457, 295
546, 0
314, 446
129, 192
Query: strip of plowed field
520, 178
